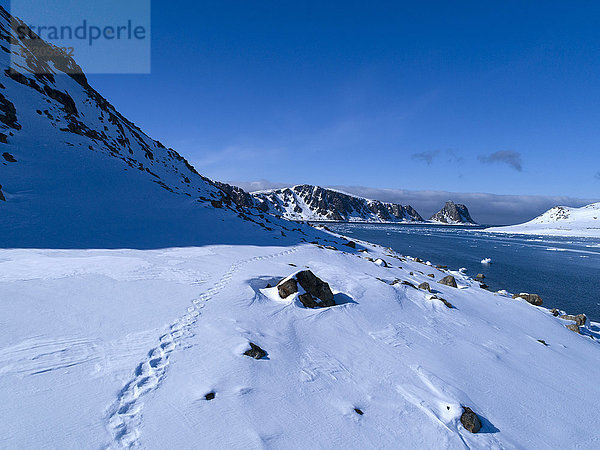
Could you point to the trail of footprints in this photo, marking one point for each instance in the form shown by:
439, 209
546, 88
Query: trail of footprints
125, 414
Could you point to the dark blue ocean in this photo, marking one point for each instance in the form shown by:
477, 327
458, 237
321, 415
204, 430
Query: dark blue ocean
564, 271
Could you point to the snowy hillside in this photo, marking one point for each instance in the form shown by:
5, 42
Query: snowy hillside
314, 203
76, 173
136, 295
560, 221
453, 214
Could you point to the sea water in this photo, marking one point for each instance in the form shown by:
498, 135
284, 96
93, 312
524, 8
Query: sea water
564, 271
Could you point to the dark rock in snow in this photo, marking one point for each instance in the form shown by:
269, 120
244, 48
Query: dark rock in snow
443, 300
470, 420
316, 287
358, 411
381, 262
430, 275
534, 299
555, 312
448, 280
425, 286
541, 341
483, 286
480, 276
579, 319
408, 283
209, 396
318, 293
350, 244
287, 288
255, 351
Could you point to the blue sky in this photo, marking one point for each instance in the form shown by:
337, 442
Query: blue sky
496, 97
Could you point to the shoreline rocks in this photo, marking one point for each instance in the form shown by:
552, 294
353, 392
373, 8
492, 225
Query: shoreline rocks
448, 280
534, 299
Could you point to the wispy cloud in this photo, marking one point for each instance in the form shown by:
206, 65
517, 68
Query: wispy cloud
430, 156
427, 157
508, 157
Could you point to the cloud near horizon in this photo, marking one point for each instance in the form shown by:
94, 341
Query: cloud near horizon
485, 208
508, 157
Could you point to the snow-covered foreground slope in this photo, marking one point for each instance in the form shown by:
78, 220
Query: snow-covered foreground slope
120, 347
560, 221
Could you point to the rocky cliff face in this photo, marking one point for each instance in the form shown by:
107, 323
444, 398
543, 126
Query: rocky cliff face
307, 202
453, 213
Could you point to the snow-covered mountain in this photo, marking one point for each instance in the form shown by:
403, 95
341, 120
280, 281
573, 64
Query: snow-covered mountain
560, 221
314, 203
135, 293
453, 214
75, 172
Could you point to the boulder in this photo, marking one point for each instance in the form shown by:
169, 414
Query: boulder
470, 420
209, 396
350, 244
358, 411
555, 312
483, 286
317, 293
430, 275
315, 286
287, 288
534, 299
255, 352
579, 319
448, 280
408, 283
425, 286
480, 276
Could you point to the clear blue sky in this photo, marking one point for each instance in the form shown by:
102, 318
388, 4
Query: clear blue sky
500, 97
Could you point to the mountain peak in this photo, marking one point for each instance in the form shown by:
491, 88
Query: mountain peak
453, 213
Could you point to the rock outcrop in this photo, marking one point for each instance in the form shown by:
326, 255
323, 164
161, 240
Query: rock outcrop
453, 213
